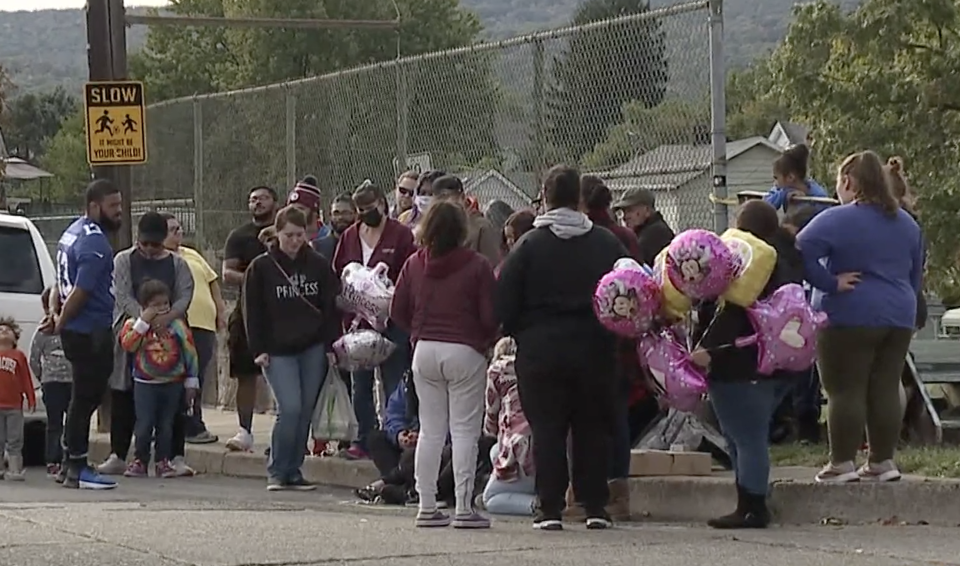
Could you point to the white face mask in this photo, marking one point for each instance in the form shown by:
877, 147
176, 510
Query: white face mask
422, 202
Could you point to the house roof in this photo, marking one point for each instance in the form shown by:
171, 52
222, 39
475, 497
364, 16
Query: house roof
796, 133
20, 170
505, 189
670, 166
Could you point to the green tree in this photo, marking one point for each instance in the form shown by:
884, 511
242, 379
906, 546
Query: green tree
600, 71
34, 119
644, 129
66, 157
882, 77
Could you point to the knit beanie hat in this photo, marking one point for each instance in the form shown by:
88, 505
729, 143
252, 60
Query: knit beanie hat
306, 193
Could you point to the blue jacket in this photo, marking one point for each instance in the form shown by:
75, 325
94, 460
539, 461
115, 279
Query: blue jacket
396, 420
777, 196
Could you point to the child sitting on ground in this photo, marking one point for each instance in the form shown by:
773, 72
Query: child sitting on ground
53, 371
510, 490
164, 362
16, 385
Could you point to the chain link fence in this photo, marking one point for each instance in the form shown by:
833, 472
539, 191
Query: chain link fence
627, 98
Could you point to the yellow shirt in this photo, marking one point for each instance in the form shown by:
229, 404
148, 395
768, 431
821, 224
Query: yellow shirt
202, 313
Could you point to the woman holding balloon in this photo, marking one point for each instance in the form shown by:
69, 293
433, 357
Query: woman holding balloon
743, 400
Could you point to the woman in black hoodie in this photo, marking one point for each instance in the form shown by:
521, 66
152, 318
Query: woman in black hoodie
743, 400
289, 298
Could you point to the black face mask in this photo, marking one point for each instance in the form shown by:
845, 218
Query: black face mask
372, 218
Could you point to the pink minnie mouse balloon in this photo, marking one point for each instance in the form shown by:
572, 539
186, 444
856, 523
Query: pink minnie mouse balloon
682, 383
626, 300
700, 265
786, 330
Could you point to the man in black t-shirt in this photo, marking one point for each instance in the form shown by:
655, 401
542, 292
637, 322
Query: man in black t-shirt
243, 244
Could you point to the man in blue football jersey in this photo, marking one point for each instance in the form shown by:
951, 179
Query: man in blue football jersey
84, 322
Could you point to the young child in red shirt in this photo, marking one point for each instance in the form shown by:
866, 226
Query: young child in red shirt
16, 385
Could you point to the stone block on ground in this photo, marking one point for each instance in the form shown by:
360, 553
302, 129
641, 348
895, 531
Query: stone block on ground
648, 463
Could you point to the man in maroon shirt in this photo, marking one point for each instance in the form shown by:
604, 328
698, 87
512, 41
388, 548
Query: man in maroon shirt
374, 239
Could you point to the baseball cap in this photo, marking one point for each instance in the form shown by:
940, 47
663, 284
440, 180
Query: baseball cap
635, 197
152, 228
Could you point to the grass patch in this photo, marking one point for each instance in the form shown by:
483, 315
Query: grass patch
934, 462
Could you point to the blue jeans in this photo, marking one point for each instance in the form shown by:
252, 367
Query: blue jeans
156, 406
56, 399
296, 382
391, 371
509, 498
745, 409
619, 462
206, 343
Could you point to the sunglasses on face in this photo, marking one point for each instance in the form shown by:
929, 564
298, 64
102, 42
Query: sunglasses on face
407, 192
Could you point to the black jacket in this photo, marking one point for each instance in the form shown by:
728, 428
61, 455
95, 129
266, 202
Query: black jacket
717, 330
544, 297
289, 304
653, 235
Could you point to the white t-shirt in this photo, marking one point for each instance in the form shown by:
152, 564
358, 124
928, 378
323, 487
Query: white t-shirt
366, 250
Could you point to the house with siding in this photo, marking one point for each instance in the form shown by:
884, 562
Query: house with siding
680, 175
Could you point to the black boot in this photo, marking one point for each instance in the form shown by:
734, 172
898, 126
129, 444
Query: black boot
751, 513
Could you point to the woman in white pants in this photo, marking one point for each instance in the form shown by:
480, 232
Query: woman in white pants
444, 300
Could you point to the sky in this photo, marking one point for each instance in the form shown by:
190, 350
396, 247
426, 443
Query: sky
14, 5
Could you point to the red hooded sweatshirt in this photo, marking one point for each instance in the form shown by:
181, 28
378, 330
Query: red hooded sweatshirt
446, 299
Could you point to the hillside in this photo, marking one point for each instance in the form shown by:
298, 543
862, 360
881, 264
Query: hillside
46, 48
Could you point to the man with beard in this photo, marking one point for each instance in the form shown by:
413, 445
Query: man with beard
85, 324
342, 215
243, 245
639, 211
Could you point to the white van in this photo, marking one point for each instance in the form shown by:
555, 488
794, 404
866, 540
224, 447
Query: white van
25, 271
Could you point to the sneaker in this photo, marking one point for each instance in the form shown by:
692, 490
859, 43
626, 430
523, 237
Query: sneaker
354, 453
205, 437
879, 471
432, 518
478, 502
838, 473
471, 520
367, 494
598, 521
241, 442
275, 484
164, 469
53, 470
546, 522
88, 478
15, 471
181, 468
301, 484
112, 466
136, 469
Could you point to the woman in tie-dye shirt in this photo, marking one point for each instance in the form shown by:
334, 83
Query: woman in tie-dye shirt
511, 487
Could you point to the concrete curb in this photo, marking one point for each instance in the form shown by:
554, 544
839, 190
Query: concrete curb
914, 500
215, 460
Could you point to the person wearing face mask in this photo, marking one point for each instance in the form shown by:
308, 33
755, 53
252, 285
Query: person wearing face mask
289, 303
375, 239
342, 215
874, 256
421, 199
406, 190
147, 259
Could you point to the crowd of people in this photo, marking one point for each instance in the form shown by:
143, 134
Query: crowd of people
504, 392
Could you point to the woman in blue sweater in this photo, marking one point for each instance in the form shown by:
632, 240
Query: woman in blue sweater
871, 277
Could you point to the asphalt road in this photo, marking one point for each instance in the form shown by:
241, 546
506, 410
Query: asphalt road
224, 521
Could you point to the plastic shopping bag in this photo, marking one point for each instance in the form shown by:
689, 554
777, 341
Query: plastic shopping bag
333, 417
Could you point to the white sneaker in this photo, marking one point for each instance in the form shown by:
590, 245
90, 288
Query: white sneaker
113, 466
845, 472
879, 471
181, 468
241, 442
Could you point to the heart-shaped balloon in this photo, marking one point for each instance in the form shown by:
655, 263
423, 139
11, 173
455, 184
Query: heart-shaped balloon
682, 384
786, 330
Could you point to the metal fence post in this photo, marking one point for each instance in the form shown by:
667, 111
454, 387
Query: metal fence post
291, 139
718, 113
538, 102
403, 116
198, 204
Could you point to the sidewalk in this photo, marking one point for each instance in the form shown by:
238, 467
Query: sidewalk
796, 499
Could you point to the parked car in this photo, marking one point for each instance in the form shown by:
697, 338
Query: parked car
26, 269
